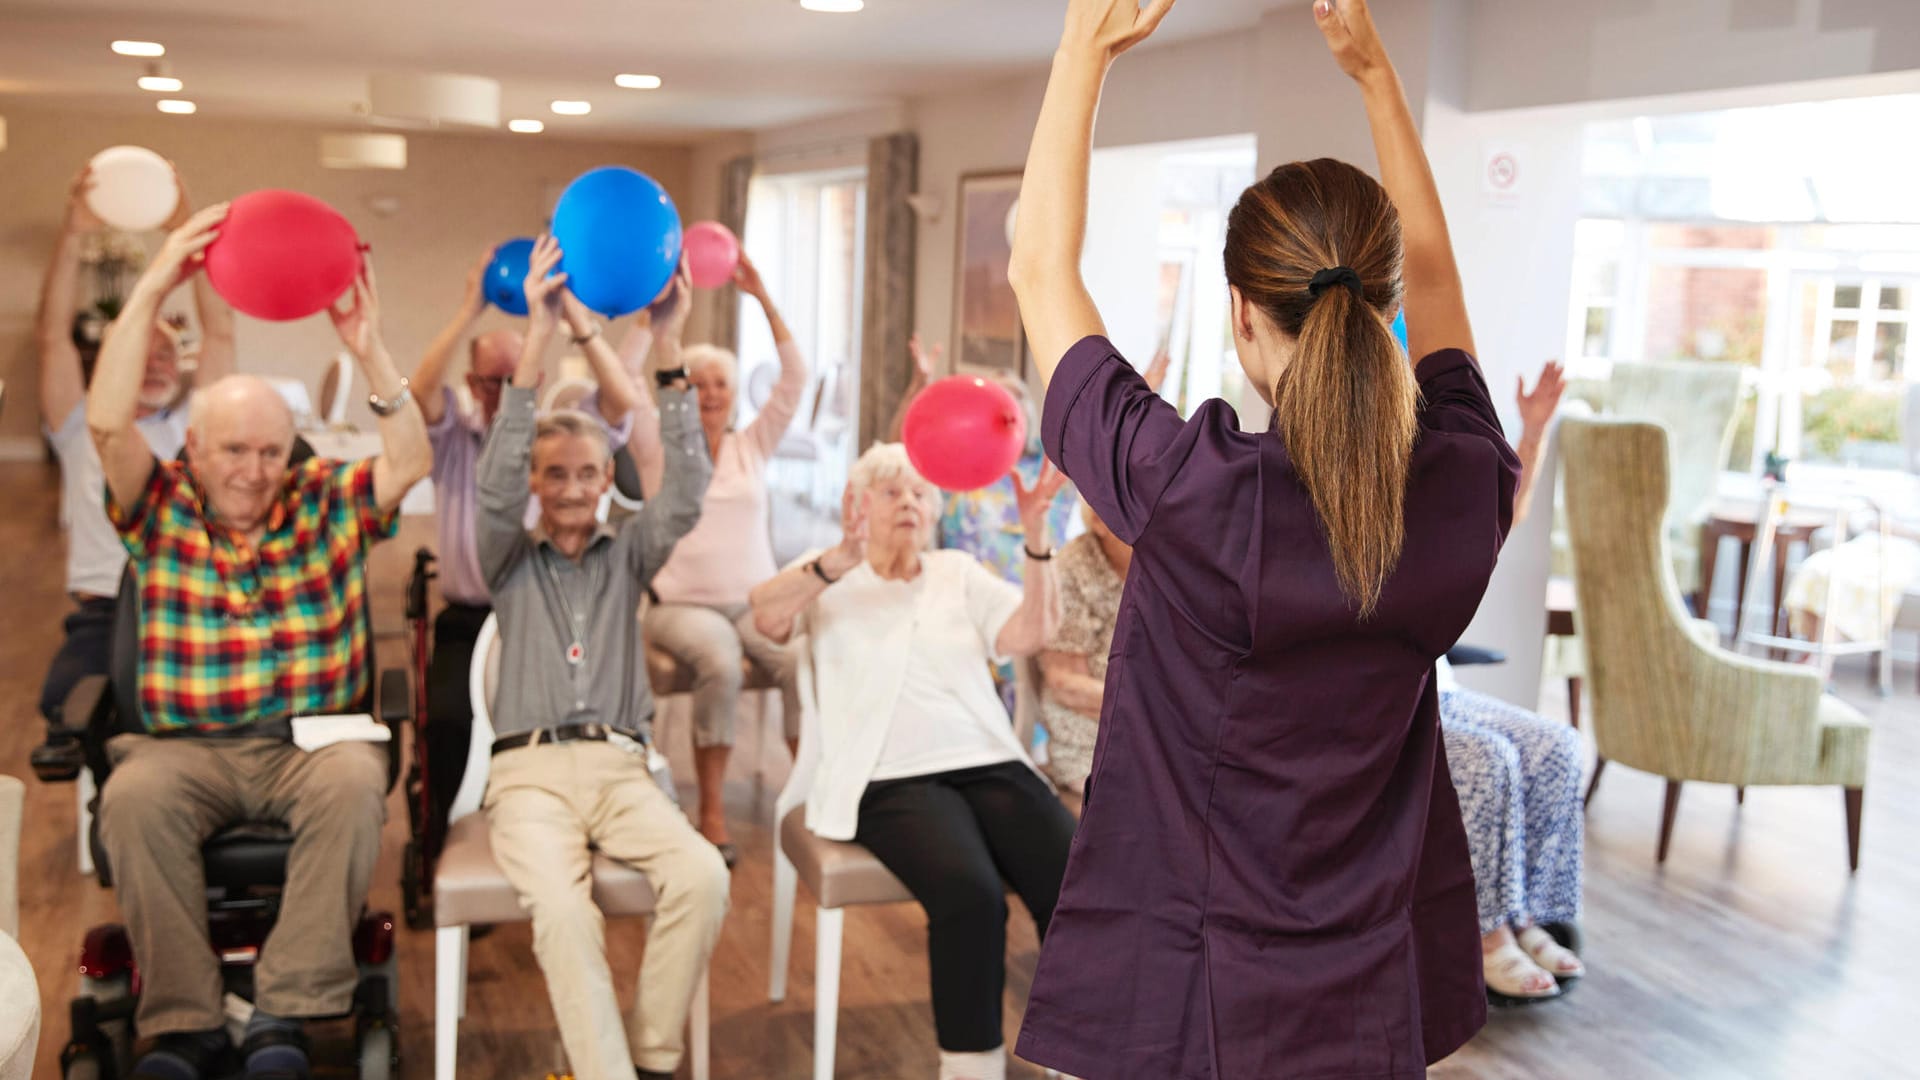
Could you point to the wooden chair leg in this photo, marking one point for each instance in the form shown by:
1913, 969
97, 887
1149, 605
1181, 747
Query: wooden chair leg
1740, 795
1593, 785
1855, 796
1666, 818
1573, 702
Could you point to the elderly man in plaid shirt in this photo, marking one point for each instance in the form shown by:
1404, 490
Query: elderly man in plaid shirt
253, 593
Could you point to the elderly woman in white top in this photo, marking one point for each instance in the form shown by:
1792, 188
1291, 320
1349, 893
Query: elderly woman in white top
699, 615
915, 757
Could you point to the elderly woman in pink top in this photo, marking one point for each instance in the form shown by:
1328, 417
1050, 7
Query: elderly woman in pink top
700, 614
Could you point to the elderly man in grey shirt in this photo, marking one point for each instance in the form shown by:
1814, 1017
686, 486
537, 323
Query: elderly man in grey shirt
569, 772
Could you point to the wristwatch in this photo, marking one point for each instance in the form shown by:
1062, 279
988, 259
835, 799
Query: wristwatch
385, 407
667, 378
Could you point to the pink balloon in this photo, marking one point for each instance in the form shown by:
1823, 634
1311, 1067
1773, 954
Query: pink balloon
964, 432
712, 253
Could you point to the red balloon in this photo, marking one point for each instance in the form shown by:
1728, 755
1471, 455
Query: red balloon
282, 255
964, 432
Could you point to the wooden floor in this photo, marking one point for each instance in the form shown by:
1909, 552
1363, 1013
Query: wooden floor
1752, 955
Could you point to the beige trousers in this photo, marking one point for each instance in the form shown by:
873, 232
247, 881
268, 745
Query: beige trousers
163, 800
548, 808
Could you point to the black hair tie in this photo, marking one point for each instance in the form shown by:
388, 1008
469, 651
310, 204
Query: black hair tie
1336, 275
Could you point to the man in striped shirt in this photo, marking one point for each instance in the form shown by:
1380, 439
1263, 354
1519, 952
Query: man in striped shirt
252, 585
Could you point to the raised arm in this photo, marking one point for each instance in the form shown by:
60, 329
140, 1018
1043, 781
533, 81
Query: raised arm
672, 510
777, 414
1037, 619
113, 401
1434, 299
219, 353
62, 381
506, 461
430, 375
779, 601
667, 322
620, 394
406, 454
1536, 415
925, 363
1051, 233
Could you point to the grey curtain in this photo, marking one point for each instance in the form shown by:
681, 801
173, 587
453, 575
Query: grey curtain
893, 173
734, 180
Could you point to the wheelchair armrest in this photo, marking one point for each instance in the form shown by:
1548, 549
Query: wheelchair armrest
1470, 655
61, 757
396, 698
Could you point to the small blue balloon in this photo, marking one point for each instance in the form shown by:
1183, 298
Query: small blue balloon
1400, 329
619, 239
505, 282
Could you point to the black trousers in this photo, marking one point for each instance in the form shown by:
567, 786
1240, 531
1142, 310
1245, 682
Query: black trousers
85, 651
957, 840
449, 710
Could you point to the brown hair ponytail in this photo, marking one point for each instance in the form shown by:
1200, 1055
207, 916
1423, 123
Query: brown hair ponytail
1316, 246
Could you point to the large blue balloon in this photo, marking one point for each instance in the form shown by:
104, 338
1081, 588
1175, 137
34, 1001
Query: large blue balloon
619, 239
1400, 329
505, 284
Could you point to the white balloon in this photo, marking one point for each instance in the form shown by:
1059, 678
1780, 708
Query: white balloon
133, 188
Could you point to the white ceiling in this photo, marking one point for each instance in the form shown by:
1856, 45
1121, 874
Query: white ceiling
727, 64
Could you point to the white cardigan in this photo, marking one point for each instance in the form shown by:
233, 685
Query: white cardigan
856, 637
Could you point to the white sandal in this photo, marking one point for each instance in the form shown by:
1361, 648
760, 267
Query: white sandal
1506, 970
1554, 958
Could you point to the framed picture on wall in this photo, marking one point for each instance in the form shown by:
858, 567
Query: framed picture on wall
986, 318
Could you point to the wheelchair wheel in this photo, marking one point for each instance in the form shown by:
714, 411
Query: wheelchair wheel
415, 897
83, 1066
379, 1053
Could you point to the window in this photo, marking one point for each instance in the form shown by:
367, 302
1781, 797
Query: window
807, 234
1851, 366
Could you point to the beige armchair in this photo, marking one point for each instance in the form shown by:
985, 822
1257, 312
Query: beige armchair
1664, 700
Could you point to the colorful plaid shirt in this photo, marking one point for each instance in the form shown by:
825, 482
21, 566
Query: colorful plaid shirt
233, 635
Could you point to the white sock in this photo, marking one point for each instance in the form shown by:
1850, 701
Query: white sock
985, 1065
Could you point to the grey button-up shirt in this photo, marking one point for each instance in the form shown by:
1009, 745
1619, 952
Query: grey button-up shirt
537, 591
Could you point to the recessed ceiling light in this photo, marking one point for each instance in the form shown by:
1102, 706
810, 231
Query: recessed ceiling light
176, 106
637, 82
834, 7
165, 84
572, 108
139, 48
526, 127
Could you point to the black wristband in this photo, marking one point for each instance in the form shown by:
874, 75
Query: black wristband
820, 572
1031, 554
670, 376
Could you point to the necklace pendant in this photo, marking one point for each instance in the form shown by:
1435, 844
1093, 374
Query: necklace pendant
576, 655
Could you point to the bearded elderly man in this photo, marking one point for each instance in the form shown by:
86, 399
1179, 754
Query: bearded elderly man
252, 583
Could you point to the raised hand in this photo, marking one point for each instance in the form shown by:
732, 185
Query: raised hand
183, 203
184, 252
358, 324
670, 311
544, 288
1537, 408
473, 297
1351, 37
925, 361
1111, 27
80, 218
851, 551
746, 278
1035, 501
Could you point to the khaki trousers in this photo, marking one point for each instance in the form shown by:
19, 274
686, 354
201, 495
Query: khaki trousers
165, 797
548, 808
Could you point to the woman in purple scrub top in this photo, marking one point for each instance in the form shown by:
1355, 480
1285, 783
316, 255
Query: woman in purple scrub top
1271, 878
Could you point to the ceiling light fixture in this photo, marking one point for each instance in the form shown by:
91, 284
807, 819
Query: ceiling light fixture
526, 127
164, 84
637, 82
177, 107
572, 108
834, 7
139, 48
